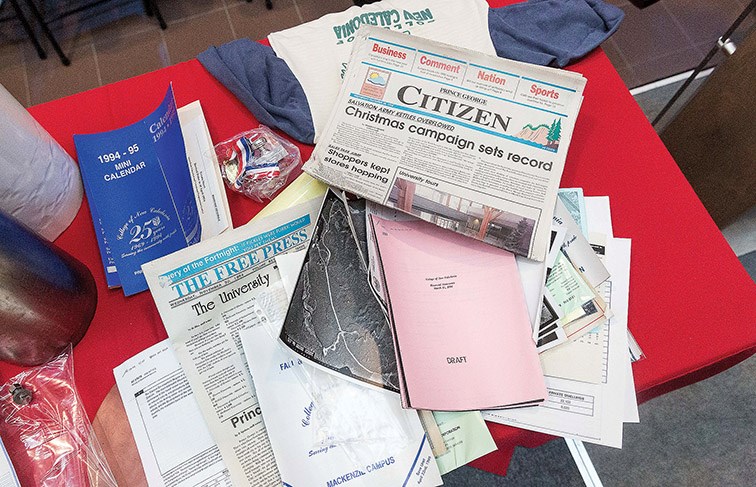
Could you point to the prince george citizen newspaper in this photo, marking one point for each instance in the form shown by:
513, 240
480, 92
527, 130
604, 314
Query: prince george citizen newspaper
470, 142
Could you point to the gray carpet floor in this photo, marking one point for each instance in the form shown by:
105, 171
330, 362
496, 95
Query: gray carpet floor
701, 435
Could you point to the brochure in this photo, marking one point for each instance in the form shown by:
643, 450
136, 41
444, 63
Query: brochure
139, 186
473, 143
460, 323
392, 451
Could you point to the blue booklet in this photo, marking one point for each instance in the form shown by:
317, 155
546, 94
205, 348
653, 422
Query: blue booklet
140, 193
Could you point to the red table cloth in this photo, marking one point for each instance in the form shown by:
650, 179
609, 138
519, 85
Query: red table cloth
692, 304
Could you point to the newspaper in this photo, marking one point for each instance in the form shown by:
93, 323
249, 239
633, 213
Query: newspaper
207, 293
470, 142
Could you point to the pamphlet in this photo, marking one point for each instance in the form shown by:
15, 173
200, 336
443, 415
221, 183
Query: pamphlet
473, 143
459, 319
393, 452
207, 293
163, 413
139, 186
334, 320
466, 437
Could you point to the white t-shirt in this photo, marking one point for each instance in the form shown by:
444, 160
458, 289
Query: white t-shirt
318, 52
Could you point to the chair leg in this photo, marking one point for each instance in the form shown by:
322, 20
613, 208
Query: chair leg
48, 33
28, 29
150, 6
268, 4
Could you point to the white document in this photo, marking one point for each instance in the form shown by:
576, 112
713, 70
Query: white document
209, 190
398, 454
162, 414
317, 52
589, 412
7, 473
205, 294
600, 220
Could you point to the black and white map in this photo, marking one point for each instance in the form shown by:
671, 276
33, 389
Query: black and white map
334, 319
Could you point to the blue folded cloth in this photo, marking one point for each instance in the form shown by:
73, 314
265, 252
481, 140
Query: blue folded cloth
264, 83
552, 32
544, 32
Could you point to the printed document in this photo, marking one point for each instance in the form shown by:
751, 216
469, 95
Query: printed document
466, 437
162, 414
459, 320
7, 473
475, 144
593, 413
209, 190
392, 451
207, 293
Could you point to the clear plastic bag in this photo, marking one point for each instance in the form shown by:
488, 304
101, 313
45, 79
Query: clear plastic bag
46, 430
257, 162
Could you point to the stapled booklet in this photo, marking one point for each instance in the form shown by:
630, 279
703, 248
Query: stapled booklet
459, 319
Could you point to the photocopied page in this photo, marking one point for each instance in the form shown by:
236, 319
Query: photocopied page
7, 473
163, 413
392, 450
207, 293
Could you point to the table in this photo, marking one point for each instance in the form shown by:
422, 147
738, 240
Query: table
692, 305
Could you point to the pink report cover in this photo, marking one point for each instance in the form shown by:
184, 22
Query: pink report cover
461, 327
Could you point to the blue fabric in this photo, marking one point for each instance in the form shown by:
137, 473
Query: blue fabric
552, 32
264, 83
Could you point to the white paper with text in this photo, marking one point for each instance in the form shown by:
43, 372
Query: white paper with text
162, 414
207, 293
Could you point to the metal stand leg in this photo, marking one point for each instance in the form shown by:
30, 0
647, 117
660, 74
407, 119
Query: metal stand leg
268, 4
28, 29
724, 39
153, 9
48, 33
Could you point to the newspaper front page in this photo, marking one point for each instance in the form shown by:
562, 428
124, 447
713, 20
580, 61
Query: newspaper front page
206, 294
470, 142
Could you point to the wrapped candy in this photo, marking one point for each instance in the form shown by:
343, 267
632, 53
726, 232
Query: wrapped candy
257, 162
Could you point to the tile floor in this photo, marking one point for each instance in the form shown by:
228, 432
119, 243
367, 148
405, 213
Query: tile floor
666, 38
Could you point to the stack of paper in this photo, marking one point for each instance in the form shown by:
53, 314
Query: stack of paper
589, 380
458, 317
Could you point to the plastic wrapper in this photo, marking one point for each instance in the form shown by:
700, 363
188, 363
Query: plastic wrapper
40, 184
46, 430
257, 162
358, 418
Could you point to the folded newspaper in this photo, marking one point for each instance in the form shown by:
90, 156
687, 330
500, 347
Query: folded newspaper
470, 142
